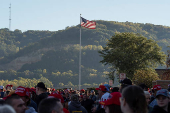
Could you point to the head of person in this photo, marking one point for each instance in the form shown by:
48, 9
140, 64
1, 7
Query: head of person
74, 97
58, 96
115, 89
92, 92
112, 104
147, 96
107, 86
6, 109
50, 105
82, 91
101, 90
24, 94
124, 83
156, 88
162, 97
9, 87
144, 87
133, 100
40, 88
84, 97
16, 102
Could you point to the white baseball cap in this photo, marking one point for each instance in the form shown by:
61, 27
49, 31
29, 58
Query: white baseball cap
1, 87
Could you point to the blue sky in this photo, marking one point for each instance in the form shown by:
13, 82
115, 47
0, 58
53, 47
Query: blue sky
54, 15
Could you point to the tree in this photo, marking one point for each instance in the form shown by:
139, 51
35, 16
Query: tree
166, 74
128, 52
168, 59
145, 76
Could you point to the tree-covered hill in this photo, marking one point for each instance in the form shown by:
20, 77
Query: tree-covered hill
58, 52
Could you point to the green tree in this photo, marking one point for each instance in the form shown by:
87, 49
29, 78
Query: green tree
128, 52
145, 76
168, 58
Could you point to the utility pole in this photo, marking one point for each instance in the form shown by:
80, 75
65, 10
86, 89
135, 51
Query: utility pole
10, 17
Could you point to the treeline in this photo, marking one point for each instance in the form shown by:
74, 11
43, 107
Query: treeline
57, 79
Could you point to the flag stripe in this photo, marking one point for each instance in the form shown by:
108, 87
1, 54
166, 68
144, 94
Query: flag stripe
88, 24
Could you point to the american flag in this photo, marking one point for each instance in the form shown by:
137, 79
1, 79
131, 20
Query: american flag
87, 23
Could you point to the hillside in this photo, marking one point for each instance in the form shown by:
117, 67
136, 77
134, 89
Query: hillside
58, 52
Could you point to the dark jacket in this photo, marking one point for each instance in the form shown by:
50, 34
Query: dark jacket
76, 106
150, 109
40, 97
87, 104
158, 109
99, 109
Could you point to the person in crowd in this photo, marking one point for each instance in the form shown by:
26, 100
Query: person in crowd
133, 100
50, 105
124, 83
2, 93
144, 87
153, 99
25, 96
108, 87
80, 98
8, 89
162, 97
41, 92
87, 103
115, 89
82, 91
32, 98
16, 102
148, 97
53, 90
93, 96
103, 95
33, 93
48, 91
112, 104
58, 96
75, 105
6, 109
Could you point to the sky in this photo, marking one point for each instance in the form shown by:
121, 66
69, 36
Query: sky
54, 15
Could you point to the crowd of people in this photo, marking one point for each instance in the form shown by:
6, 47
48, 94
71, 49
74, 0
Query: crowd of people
127, 98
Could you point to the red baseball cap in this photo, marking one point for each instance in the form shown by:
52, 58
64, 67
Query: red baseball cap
102, 88
53, 89
9, 85
157, 87
22, 91
82, 90
112, 99
55, 95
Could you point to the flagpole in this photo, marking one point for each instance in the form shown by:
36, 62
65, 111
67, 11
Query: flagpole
80, 58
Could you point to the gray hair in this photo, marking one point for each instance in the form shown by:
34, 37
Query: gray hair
6, 109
